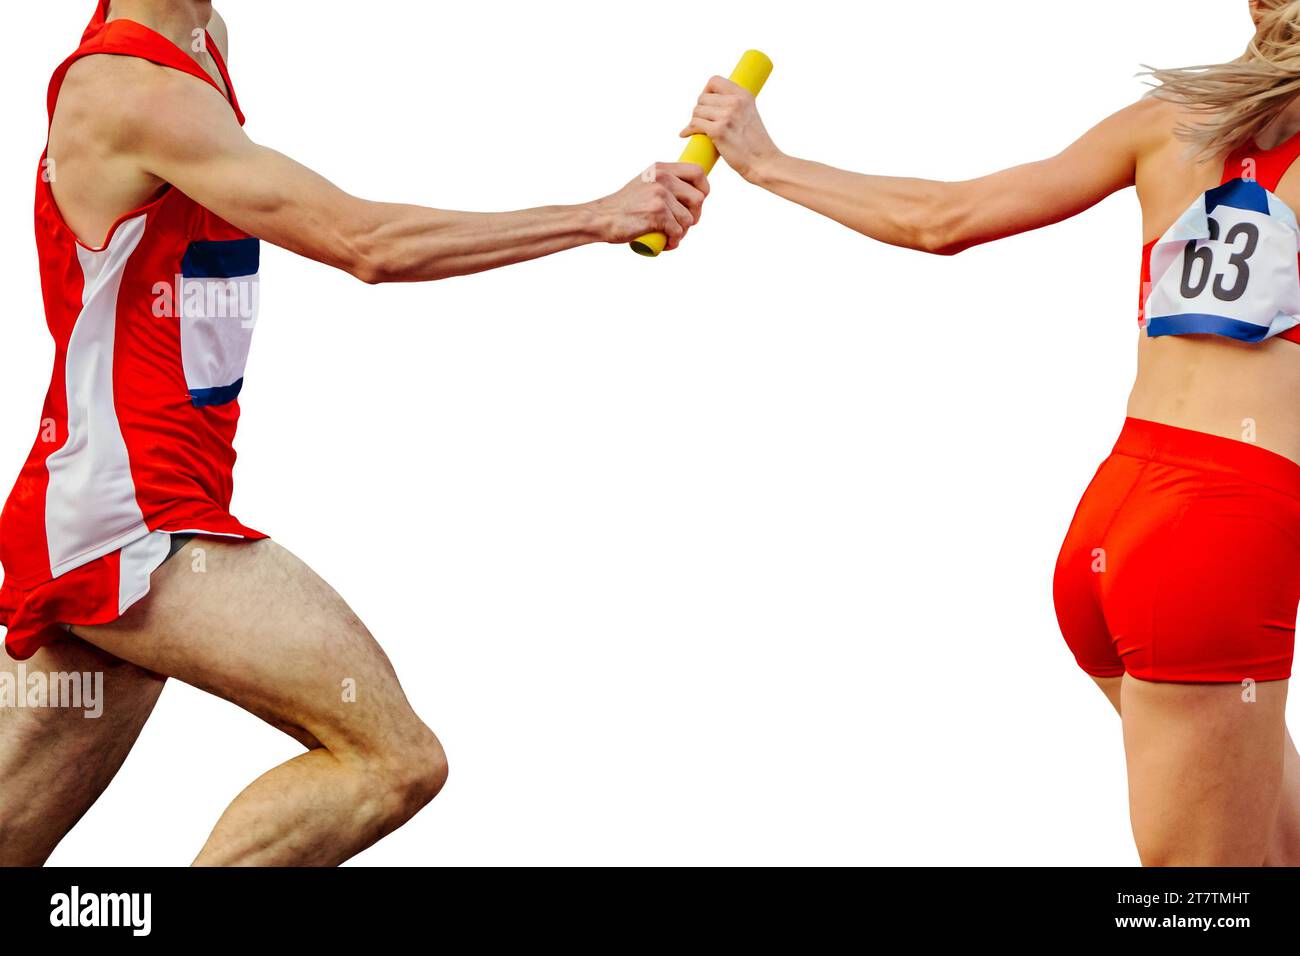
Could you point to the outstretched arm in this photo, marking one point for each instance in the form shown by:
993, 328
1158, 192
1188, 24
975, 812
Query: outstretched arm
932, 216
184, 133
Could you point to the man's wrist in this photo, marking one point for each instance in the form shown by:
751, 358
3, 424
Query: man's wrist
592, 221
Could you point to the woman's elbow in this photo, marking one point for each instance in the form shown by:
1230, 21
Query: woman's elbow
941, 245
942, 225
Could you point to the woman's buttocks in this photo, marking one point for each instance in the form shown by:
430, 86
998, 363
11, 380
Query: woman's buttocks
1219, 386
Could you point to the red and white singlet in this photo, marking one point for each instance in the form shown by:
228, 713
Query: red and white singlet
151, 334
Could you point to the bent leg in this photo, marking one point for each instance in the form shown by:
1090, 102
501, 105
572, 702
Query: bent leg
56, 761
257, 627
1205, 770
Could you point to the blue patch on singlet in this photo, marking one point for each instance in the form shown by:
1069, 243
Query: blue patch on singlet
221, 259
223, 395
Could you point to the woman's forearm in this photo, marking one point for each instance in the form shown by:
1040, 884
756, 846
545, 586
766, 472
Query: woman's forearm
939, 217
912, 213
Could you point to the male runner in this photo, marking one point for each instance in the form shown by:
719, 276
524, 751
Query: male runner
149, 184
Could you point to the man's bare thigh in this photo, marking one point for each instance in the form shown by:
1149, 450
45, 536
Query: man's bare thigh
250, 622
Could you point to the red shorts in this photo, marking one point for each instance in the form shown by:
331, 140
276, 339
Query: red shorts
1182, 563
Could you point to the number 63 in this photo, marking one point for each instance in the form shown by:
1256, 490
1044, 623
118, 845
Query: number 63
1239, 260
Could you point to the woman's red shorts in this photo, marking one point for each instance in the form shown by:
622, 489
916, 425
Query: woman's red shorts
1182, 563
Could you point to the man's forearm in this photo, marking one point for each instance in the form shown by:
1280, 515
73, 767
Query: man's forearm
402, 243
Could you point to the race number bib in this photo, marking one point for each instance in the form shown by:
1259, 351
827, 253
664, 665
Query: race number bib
1227, 267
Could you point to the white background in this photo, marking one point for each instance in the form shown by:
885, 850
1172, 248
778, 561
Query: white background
742, 555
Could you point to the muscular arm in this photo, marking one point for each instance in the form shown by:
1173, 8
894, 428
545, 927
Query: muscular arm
182, 131
928, 215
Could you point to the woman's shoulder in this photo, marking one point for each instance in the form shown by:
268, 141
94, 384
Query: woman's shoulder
1154, 125
1155, 118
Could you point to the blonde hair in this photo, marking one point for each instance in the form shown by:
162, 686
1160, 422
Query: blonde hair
1237, 100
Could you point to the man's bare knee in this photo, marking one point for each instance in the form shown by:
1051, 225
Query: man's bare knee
409, 776
420, 771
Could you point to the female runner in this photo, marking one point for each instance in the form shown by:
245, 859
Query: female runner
1177, 585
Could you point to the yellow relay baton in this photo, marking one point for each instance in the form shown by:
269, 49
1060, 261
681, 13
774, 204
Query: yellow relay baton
751, 72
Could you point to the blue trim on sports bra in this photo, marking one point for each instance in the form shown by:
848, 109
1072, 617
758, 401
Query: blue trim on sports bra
1198, 323
1239, 194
